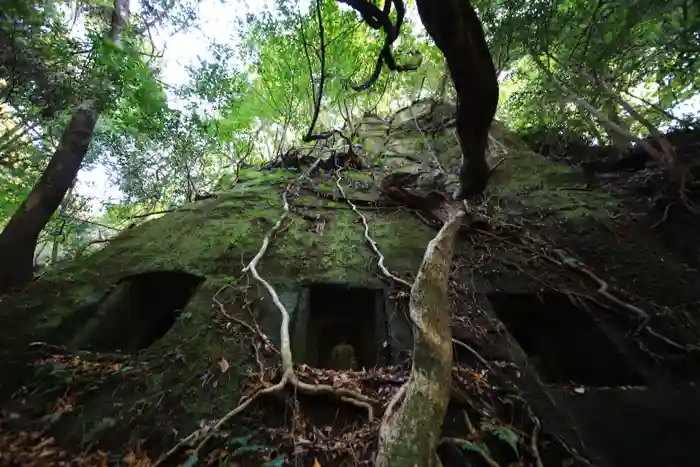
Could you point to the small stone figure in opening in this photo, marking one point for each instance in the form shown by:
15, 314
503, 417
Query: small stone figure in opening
343, 357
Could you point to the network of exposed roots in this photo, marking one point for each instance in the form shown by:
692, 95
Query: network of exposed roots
482, 391
338, 416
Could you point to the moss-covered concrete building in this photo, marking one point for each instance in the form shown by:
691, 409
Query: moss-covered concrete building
576, 327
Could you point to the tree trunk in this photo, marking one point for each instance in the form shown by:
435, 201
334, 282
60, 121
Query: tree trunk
442, 87
409, 435
670, 159
605, 121
19, 238
457, 32
618, 141
662, 111
57, 235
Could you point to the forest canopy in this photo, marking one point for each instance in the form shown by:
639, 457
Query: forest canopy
175, 124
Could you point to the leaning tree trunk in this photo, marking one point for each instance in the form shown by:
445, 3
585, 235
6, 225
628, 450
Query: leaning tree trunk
618, 141
59, 233
18, 239
600, 116
409, 435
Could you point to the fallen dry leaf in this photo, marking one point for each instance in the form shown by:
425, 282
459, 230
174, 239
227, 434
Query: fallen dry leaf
223, 364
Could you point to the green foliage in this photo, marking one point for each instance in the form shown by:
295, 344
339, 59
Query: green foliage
191, 461
279, 461
253, 96
504, 434
480, 448
644, 50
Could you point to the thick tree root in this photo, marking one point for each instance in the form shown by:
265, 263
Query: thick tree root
409, 435
288, 374
382, 267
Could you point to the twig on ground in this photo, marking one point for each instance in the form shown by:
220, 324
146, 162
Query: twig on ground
260, 335
666, 339
497, 164
572, 451
603, 291
665, 216
255, 330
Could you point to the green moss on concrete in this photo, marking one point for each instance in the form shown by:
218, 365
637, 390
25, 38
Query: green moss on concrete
542, 187
214, 238
162, 386
211, 238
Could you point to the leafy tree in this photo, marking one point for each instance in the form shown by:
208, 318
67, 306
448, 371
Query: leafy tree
111, 79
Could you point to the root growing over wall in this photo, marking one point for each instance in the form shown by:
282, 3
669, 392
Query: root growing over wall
201, 436
409, 435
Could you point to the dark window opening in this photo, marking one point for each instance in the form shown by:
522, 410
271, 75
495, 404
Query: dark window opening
563, 341
338, 315
139, 310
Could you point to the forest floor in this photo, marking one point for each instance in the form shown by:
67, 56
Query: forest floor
275, 430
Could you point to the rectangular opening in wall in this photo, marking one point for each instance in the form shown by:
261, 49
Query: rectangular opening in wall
563, 341
343, 327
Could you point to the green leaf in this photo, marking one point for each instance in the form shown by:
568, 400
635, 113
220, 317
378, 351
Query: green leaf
474, 447
191, 461
505, 434
276, 462
250, 448
240, 440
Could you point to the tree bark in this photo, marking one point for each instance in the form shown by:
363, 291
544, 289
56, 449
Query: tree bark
19, 238
661, 111
605, 121
457, 32
666, 155
409, 435
56, 236
670, 159
618, 141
